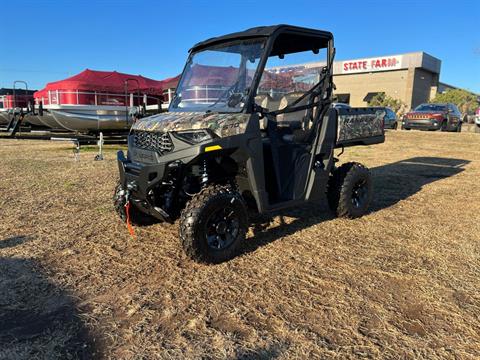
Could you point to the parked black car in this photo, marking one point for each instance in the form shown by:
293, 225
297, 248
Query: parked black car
341, 106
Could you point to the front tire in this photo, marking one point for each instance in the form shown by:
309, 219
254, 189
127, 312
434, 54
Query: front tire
137, 217
350, 190
213, 224
444, 126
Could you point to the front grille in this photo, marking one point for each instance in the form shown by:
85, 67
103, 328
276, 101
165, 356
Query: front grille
419, 117
156, 141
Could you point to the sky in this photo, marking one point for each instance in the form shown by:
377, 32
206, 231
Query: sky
47, 40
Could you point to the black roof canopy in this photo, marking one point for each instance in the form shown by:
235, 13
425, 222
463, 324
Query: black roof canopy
291, 38
20, 91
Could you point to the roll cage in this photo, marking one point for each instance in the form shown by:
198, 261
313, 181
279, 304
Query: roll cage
282, 40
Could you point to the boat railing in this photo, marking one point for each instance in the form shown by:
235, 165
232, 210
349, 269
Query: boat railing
77, 97
203, 94
14, 101
168, 95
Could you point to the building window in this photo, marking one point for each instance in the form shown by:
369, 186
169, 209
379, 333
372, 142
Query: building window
343, 98
371, 95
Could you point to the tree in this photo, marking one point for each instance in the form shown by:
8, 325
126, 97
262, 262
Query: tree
466, 102
381, 99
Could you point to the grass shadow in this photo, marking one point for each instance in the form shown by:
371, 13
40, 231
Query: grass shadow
391, 183
402, 179
14, 241
273, 351
38, 320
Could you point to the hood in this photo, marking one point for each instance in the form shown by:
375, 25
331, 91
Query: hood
222, 125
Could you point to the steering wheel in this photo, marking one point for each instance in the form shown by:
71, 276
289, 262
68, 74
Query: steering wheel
234, 99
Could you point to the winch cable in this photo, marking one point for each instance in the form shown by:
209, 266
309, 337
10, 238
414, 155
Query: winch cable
129, 223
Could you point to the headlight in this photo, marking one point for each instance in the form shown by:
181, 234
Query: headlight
193, 136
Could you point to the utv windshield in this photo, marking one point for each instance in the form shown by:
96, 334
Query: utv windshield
219, 78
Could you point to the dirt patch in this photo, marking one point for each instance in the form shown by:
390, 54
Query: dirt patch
401, 282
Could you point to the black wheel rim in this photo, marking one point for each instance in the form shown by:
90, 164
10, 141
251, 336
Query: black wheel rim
360, 194
222, 228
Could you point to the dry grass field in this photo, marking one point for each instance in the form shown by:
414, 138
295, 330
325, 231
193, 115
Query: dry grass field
402, 282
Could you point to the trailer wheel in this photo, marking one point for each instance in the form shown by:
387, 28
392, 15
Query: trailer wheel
350, 190
213, 224
137, 217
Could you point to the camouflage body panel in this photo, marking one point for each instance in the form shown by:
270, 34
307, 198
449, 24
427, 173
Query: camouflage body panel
223, 125
360, 125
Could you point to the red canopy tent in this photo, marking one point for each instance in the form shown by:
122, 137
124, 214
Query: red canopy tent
170, 83
81, 88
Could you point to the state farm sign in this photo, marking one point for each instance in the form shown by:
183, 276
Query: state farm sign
372, 64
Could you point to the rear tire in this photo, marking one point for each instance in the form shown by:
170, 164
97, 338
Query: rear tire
213, 224
350, 190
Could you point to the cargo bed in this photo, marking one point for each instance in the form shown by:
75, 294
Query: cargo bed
360, 126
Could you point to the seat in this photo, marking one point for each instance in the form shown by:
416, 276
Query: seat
269, 103
260, 98
294, 119
266, 102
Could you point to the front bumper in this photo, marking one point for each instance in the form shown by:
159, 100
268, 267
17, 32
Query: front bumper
139, 180
421, 124
390, 125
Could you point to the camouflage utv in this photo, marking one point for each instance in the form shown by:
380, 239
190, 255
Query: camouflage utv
246, 128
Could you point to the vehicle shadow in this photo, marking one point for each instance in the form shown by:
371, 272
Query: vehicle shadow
37, 319
391, 182
14, 241
400, 180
